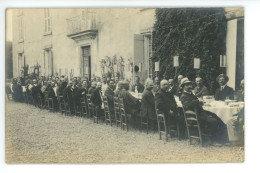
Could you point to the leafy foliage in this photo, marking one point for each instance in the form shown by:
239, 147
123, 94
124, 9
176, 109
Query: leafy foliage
190, 33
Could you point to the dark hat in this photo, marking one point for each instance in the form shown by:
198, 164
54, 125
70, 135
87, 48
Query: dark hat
123, 84
224, 76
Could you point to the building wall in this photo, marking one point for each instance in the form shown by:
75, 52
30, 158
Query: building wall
116, 29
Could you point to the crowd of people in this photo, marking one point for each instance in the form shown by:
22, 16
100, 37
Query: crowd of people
157, 97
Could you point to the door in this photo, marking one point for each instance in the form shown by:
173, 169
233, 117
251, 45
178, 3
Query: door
86, 65
139, 57
48, 62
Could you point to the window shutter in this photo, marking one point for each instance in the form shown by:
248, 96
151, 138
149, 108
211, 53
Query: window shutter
139, 55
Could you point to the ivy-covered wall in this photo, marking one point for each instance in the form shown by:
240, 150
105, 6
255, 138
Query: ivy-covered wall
190, 33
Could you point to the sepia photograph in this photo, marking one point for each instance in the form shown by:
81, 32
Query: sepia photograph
124, 85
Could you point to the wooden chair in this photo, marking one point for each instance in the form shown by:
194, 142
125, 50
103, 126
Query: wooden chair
163, 128
83, 105
8, 93
91, 109
123, 115
193, 126
40, 101
108, 116
51, 104
61, 103
117, 112
144, 122
67, 105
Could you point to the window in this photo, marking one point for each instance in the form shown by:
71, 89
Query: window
47, 21
48, 62
20, 28
20, 63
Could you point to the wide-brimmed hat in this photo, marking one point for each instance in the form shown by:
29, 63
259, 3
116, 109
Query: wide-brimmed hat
224, 76
123, 84
185, 81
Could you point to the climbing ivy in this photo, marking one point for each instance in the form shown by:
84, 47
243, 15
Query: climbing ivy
190, 33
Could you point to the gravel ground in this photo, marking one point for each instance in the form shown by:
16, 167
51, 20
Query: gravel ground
38, 136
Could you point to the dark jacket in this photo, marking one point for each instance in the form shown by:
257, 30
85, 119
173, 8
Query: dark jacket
165, 102
132, 104
148, 105
61, 88
226, 92
190, 102
140, 87
67, 94
200, 92
96, 97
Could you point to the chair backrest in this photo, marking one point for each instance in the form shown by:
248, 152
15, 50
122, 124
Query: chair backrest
116, 105
106, 107
191, 117
122, 106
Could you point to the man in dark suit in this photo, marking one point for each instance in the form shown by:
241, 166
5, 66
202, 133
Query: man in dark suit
172, 88
224, 92
137, 86
209, 122
110, 95
67, 95
156, 86
148, 104
36, 90
51, 94
96, 98
166, 104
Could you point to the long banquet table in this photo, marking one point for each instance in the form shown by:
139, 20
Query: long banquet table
220, 108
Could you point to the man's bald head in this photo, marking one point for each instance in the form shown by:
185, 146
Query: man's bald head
164, 85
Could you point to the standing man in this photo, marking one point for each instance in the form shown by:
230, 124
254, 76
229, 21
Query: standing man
224, 92
104, 84
137, 86
200, 90
96, 98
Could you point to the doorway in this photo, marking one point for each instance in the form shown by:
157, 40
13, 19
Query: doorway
86, 65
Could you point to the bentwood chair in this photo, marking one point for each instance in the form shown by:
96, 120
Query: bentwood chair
193, 126
117, 112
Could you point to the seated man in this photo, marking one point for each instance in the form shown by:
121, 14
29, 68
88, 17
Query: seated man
109, 93
209, 122
148, 104
200, 90
156, 86
166, 104
137, 86
172, 87
224, 92
132, 104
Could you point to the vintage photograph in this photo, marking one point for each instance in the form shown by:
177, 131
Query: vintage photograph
124, 85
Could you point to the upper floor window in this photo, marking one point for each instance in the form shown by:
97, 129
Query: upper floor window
47, 21
20, 28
